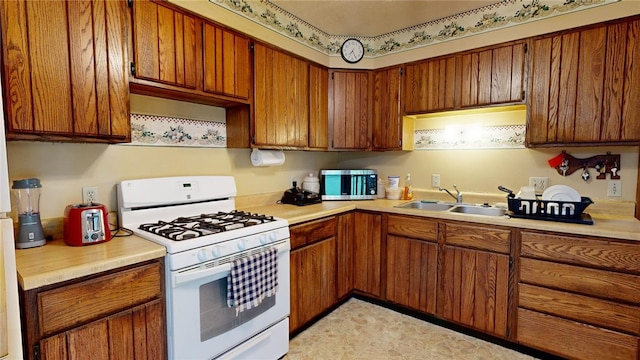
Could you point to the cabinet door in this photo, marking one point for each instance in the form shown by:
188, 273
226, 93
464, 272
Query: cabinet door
281, 111
65, 69
227, 65
345, 253
313, 281
583, 86
131, 334
429, 86
387, 122
166, 44
318, 107
367, 253
475, 289
492, 76
620, 112
412, 273
350, 107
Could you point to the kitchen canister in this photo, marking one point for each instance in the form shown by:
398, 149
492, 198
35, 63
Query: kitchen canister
394, 182
311, 183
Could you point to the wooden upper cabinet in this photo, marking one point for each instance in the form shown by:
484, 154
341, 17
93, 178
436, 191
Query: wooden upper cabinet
429, 86
318, 107
387, 120
181, 56
584, 86
350, 103
65, 70
227, 64
492, 76
281, 99
167, 44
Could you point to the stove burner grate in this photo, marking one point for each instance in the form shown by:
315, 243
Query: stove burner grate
184, 228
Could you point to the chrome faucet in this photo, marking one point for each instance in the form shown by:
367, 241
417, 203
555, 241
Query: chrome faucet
458, 197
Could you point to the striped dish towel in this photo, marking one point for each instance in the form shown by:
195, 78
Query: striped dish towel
252, 279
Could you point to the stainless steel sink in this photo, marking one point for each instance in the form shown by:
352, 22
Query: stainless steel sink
478, 210
437, 206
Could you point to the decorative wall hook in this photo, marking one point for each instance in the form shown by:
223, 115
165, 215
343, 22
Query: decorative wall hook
566, 165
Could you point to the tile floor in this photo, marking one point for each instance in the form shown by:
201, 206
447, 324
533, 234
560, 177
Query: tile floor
361, 330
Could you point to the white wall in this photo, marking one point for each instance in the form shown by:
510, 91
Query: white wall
64, 168
482, 171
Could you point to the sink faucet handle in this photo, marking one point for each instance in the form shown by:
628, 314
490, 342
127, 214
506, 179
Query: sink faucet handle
459, 195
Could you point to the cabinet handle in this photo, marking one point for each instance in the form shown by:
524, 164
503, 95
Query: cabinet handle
133, 69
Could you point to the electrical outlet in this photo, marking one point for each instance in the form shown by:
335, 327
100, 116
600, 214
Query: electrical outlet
435, 180
89, 194
539, 183
614, 188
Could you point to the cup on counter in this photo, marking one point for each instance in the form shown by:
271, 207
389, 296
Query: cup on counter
394, 182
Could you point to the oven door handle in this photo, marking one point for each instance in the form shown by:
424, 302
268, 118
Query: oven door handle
216, 272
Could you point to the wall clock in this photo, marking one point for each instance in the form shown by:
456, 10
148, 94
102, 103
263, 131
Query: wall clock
352, 50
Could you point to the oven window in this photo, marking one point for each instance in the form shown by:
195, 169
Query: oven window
216, 317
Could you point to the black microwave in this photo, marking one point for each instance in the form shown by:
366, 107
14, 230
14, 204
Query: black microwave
348, 184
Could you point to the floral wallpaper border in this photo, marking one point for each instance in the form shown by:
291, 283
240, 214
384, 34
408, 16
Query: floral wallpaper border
500, 15
481, 137
151, 130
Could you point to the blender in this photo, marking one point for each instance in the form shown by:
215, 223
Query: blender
27, 199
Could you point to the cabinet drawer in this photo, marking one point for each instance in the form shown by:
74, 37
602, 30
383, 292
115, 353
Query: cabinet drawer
78, 303
600, 283
413, 227
313, 231
593, 252
573, 339
477, 237
604, 313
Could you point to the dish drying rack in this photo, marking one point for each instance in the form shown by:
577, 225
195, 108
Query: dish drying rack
550, 210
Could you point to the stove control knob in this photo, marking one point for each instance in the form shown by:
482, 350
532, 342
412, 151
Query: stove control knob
242, 244
216, 251
202, 255
264, 239
273, 236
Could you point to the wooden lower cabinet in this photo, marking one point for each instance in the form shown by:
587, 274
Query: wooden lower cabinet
412, 262
474, 287
116, 315
368, 253
579, 297
412, 273
313, 271
572, 339
345, 255
137, 333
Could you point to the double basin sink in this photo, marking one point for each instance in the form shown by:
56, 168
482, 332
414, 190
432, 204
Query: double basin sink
455, 208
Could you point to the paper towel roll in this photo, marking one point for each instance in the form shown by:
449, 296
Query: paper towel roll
267, 157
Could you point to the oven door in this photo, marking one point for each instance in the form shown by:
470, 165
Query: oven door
202, 326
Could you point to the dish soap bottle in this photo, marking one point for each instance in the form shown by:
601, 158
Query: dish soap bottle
408, 191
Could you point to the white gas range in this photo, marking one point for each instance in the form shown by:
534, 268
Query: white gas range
196, 220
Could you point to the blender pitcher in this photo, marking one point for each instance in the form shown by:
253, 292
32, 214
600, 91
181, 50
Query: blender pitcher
26, 194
